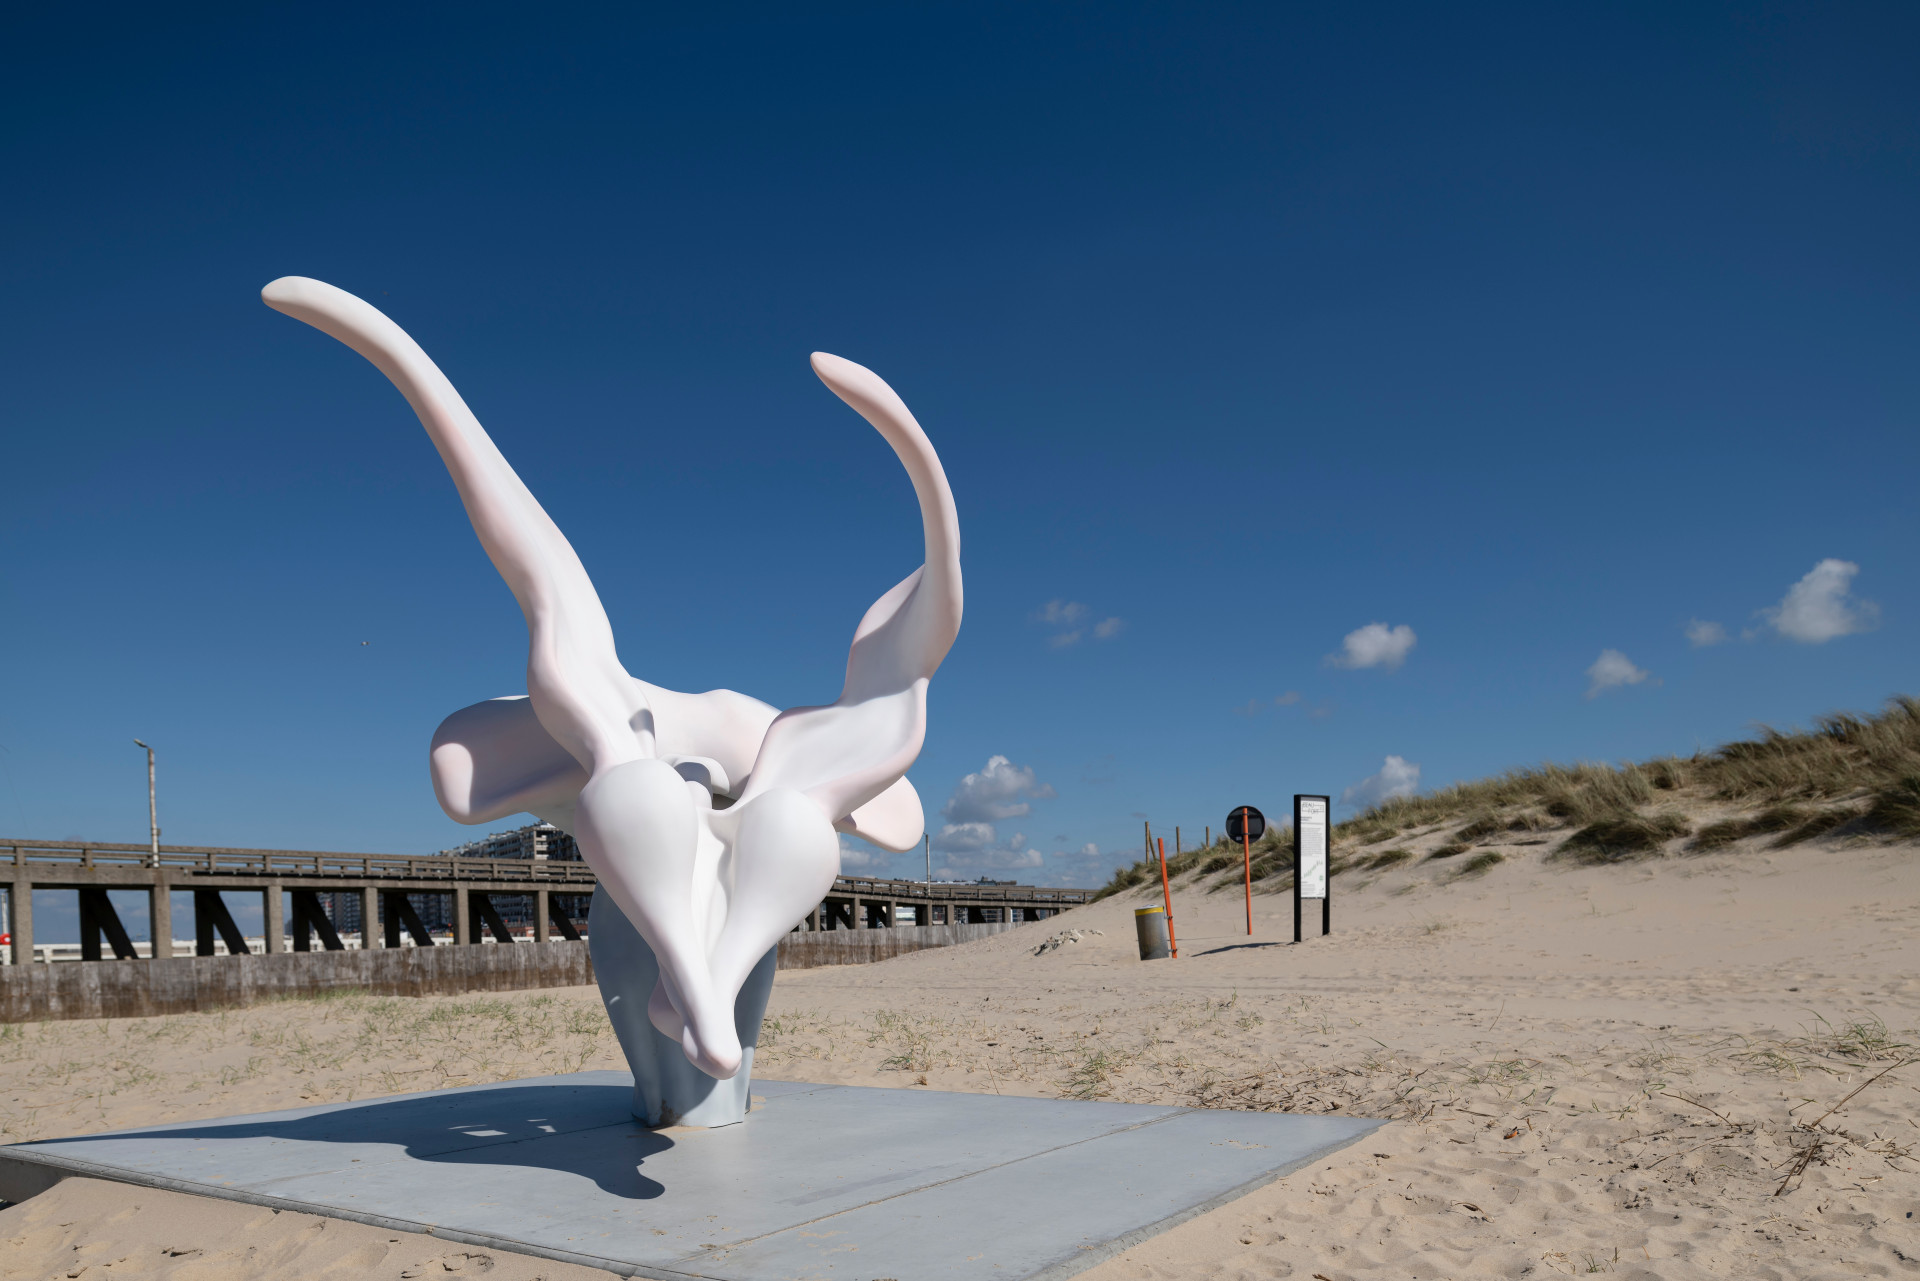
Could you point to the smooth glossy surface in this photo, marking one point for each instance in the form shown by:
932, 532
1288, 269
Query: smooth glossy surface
709, 818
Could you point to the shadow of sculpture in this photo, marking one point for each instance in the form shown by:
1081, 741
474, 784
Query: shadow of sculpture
586, 1130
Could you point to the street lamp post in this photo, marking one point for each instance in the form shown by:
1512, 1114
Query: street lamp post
153, 812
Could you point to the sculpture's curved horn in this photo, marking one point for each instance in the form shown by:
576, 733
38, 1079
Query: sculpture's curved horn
932, 619
632, 817
584, 698
843, 756
846, 754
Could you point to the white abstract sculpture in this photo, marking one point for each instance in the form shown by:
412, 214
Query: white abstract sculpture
709, 818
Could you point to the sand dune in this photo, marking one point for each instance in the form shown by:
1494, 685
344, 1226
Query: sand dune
1590, 1070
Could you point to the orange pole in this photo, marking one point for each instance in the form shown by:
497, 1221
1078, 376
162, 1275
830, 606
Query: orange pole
1173, 947
1246, 847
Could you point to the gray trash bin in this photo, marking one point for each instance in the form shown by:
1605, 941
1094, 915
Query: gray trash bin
1150, 923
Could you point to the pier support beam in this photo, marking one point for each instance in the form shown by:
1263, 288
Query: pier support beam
276, 918
399, 912
210, 915
20, 909
160, 917
308, 917
97, 917
557, 913
486, 915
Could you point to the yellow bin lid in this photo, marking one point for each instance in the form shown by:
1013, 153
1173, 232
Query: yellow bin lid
1144, 911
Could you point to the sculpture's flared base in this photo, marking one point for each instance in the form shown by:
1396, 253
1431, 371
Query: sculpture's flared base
668, 1090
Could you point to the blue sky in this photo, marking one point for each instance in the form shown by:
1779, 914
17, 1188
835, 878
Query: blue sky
1536, 333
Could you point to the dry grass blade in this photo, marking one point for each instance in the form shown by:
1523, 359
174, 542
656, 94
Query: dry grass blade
1703, 1107
1818, 1137
1896, 806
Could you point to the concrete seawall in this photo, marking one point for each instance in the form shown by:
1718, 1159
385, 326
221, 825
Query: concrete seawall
186, 984
805, 950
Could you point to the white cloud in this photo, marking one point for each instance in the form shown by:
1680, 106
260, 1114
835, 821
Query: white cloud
1085, 866
867, 860
969, 840
1255, 706
965, 863
1397, 777
959, 837
1701, 633
1071, 616
1816, 609
1611, 670
999, 790
1375, 645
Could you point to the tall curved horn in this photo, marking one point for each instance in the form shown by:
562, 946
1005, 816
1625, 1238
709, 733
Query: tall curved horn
846, 754
632, 818
582, 695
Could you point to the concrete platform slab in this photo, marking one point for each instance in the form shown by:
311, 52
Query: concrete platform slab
821, 1182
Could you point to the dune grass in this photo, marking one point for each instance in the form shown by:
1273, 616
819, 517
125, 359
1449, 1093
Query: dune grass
1850, 769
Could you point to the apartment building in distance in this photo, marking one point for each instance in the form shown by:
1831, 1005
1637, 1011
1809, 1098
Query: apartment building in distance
541, 841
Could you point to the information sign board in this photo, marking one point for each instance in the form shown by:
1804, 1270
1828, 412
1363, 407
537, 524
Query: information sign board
1313, 847
1310, 841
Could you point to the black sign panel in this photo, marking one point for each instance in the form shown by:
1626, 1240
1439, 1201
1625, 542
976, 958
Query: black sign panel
1246, 824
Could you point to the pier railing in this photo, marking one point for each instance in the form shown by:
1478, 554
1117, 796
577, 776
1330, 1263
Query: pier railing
47, 860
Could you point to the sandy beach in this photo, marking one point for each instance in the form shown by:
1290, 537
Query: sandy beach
1628, 1070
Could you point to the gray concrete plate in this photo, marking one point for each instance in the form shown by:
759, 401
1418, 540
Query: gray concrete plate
822, 1181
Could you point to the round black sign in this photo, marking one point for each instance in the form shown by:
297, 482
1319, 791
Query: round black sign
1246, 824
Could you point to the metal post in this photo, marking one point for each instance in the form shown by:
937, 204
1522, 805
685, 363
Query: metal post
153, 810
928, 842
1246, 847
1296, 869
1173, 947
